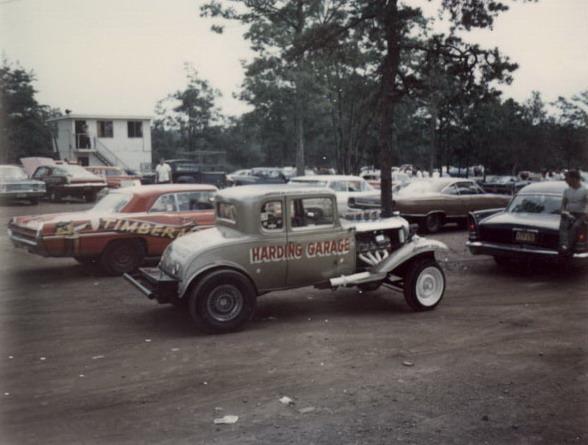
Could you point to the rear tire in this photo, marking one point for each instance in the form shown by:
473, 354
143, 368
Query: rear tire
432, 223
223, 301
424, 284
122, 256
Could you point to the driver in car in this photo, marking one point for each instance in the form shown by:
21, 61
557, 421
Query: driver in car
574, 211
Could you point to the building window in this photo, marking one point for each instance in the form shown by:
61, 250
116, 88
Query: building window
104, 129
135, 129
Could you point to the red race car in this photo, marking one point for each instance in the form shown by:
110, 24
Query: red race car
115, 177
122, 229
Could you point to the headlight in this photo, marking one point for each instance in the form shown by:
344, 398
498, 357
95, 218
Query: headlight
3, 187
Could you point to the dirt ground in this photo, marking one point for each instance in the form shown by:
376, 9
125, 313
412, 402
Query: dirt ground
87, 359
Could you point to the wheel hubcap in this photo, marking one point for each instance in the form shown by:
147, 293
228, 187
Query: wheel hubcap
430, 285
225, 303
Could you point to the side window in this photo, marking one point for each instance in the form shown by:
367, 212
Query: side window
226, 211
165, 203
41, 172
189, 201
338, 186
311, 212
451, 190
467, 188
354, 186
272, 216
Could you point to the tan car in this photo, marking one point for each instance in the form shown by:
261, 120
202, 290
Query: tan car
433, 202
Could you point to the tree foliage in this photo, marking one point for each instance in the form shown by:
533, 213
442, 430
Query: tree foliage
23, 121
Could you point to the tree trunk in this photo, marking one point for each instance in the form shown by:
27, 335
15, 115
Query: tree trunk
387, 146
299, 136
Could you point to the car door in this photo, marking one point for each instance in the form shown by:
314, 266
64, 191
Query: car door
474, 197
452, 202
269, 253
321, 248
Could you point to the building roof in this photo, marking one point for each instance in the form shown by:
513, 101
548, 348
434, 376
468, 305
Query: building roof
101, 117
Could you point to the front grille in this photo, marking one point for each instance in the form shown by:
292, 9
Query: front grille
19, 187
23, 232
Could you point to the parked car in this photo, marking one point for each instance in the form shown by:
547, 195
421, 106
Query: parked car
528, 228
15, 185
278, 237
63, 180
507, 185
345, 187
374, 178
434, 202
238, 173
115, 177
258, 175
187, 171
125, 227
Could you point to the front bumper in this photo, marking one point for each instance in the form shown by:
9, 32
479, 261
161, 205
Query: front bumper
516, 251
22, 194
154, 284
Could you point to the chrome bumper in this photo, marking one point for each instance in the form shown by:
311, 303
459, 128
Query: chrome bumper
154, 284
482, 248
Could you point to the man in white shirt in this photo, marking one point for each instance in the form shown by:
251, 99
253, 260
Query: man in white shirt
574, 211
163, 172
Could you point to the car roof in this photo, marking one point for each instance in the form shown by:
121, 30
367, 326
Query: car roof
255, 192
551, 187
151, 189
327, 178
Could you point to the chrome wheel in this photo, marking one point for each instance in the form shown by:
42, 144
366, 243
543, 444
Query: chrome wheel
430, 285
225, 303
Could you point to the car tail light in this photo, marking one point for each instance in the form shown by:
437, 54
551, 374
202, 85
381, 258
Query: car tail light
472, 227
582, 238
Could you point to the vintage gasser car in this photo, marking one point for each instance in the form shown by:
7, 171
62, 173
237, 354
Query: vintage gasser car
278, 237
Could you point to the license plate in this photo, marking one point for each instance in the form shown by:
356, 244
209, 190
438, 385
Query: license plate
525, 237
21, 195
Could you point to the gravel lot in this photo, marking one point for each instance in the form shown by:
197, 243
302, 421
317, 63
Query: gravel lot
86, 359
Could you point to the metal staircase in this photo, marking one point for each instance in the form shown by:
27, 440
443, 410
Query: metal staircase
107, 156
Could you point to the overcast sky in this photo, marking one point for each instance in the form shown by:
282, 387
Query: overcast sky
121, 56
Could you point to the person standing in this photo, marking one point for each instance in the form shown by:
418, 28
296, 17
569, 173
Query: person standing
574, 211
163, 172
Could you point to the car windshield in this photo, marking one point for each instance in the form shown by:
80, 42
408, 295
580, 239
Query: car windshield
310, 183
547, 204
12, 172
112, 203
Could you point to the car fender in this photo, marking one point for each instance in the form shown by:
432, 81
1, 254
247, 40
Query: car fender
416, 247
194, 275
479, 215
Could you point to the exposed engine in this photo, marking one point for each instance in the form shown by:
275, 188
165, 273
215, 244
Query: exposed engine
375, 246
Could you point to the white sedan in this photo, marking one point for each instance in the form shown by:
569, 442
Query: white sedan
345, 187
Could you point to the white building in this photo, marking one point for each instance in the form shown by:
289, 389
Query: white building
122, 141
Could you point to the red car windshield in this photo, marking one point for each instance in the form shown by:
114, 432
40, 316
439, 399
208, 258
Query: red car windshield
112, 203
